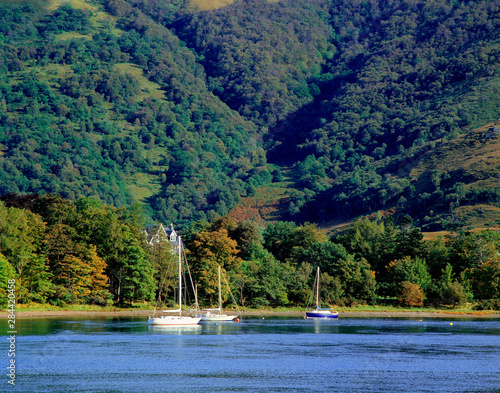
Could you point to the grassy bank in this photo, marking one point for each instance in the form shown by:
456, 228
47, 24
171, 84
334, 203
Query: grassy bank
44, 310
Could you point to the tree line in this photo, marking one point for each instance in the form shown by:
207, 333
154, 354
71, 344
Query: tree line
62, 252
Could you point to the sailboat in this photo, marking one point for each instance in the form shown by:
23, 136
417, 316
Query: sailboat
175, 320
215, 314
319, 312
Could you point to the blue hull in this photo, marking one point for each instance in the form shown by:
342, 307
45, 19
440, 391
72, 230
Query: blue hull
313, 314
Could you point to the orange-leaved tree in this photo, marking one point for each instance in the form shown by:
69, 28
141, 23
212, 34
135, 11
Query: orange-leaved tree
208, 250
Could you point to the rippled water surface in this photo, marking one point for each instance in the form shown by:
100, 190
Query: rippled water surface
256, 355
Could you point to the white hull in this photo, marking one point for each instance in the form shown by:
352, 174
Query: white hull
217, 317
173, 321
215, 314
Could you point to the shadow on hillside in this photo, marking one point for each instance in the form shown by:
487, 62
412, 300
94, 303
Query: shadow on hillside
288, 140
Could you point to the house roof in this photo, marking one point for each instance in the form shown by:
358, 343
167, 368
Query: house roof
157, 233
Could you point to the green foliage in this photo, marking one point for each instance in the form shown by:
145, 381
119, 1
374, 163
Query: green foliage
493, 304
284, 239
65, 18
180, 109
136, 280
7, 273
65, 252
22, 244
88, 132
411, 270
266, 278
75, 252
452, 292
486, 280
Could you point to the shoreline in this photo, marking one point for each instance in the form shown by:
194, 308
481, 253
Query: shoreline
263, 313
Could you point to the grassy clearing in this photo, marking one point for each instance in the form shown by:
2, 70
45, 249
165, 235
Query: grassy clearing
471, 153
78, 4
206, 5
148, 89
265, 206
142, 186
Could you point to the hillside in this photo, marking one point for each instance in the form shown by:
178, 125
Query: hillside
310, 111
454, 185
460, 179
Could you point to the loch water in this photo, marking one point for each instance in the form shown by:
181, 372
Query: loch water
255, 355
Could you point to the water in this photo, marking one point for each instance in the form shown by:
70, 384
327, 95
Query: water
255, 355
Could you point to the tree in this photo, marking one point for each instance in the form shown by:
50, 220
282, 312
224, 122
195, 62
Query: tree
284, 239
408, 240
452, 292
7, 273
208, 250
470, 250
411, 295
409, 269
358, 281
332, 290
437, 256
22, 244
279, 239
162, 257
486, 280
136, 275
265, 279
300, 290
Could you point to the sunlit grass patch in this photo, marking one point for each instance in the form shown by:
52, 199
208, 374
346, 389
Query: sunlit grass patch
148, 88
143, 186
205, 5
78, 4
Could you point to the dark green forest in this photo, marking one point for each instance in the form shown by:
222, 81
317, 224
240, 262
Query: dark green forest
142, 111
187, 111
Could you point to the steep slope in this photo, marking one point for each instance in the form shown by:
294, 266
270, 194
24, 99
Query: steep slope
457, 184
113, 106
182, 108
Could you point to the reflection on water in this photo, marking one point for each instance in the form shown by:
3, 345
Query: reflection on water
188, 329
257, 355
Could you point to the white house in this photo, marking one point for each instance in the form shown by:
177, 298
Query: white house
157, 233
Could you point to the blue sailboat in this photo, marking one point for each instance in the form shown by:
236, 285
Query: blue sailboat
319, 312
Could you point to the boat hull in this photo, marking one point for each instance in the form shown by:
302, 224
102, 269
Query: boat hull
322, 314
173, 321
217, 318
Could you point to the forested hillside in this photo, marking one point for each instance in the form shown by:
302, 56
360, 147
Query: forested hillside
188, 111
117, 109
62, 252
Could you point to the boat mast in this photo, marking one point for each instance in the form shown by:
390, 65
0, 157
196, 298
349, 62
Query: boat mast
220, 294
180, 279
317, 288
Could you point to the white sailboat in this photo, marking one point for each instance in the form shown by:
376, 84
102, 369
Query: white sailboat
215, 314
319, 312
175, 320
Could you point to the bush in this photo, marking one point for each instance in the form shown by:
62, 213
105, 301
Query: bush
491, 304
455, 294
411, 295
